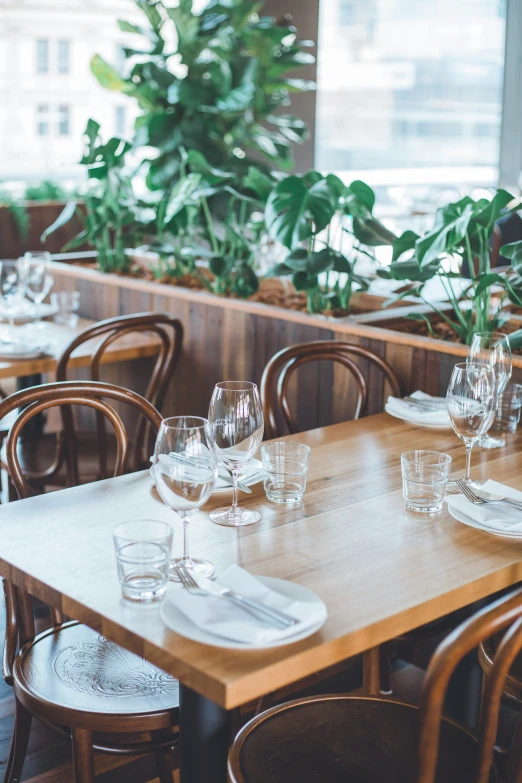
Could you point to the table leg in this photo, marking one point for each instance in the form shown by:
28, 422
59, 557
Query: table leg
204, 736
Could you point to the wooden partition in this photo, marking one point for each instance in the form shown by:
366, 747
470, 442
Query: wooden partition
234, 339
41, 216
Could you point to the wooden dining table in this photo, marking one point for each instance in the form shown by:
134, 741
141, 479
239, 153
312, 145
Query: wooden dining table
380, 570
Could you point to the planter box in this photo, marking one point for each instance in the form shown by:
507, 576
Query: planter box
41, 215
233, 338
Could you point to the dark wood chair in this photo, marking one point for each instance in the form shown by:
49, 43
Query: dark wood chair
55, 459
279, 370
365, 739
70, 677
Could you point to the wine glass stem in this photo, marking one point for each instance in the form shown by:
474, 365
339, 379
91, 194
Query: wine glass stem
185, 519
11, 326
235, 493
469, 446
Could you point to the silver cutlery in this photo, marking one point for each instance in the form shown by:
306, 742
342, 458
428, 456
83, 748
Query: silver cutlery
427, 406
268, 615
193, 463
479, 501
240, 484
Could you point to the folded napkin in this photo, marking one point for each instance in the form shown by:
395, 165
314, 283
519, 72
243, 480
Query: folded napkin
224, 477
501, 518
223, 618
403, 409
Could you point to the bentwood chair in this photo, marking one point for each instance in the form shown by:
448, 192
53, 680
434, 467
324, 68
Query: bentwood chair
70, 677
56, 459
281, 367
365, 739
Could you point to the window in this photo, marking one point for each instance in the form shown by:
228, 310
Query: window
42, 55
63, 120
119, 57
63, 56
411, 92
42, 119
120, 123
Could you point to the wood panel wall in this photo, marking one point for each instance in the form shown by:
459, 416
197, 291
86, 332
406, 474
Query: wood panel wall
41, 215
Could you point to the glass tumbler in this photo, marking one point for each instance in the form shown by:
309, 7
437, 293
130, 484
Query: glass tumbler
285, 465
424, 479
66, 305
508, 409
143, 550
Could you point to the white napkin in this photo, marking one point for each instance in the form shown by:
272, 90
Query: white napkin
500, 518
224, 618
253, 467
403, 409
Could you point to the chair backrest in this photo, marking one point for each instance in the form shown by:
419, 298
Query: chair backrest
20, 625
92, 394
169, 333
280, 368
506, 613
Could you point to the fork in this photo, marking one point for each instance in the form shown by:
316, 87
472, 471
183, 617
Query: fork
425, 404
270, 616
478, 501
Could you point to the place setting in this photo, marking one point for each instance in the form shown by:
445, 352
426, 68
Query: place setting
193, 458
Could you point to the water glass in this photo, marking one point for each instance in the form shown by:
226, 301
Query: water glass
66, 305
285, 465
424, 478
493, 350
38, 281
508, 409
143, 548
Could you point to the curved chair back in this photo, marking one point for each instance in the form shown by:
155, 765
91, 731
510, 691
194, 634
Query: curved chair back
20, 626
279, 370
92, 394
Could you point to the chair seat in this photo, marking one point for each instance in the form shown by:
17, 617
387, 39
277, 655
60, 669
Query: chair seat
346, 739
75, 668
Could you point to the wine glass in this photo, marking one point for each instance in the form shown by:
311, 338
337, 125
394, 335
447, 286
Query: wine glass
10, 282
471, 401
38, 281
493, 349
236, 420
185, 471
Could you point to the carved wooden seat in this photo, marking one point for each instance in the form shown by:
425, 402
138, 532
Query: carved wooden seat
69, 676
281, 367
360, 739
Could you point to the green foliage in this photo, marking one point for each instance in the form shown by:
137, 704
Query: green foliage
18, 211
45, 191
112, 221
462, 230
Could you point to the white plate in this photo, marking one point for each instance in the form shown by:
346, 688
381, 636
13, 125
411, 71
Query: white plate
26, 311
255, 478
461, 517
416, 423
19, 352
178, 622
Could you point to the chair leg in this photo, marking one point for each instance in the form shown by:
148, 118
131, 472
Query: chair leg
83, 756
18, 749
164, 765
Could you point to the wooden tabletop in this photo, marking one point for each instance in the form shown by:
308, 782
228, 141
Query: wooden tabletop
380, 570
132, 346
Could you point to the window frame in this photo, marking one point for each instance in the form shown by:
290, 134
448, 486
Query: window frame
64, 120
63, 56
42, 53
42, 120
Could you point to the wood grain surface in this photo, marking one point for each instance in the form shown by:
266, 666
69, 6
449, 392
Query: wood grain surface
380, 571
129, 347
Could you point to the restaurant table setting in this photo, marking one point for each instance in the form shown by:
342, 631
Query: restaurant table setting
492, 515
420, 409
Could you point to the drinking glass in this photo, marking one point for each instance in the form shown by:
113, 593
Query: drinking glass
471, 399
38, 282
492, 349
508, 409
424, 479
66, 305
10, 282
143, 548
236, 419
185, 470
285, 465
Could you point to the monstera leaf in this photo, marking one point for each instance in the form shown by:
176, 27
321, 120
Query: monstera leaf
299, 207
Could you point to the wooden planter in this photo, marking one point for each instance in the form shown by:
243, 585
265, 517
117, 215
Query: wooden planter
232, 338
41, 215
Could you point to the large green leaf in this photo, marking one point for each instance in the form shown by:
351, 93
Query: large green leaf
297, 208
515, 339
372, 232
242, 96
181, 195
411, 270
63, 218
492, 211
106, 75
259, 182
402, 244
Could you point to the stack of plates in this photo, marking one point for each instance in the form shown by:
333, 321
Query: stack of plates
421, 410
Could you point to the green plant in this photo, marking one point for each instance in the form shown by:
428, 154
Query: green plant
45, 191
112, 216
311, 215
217, 93
461, 231
18, 211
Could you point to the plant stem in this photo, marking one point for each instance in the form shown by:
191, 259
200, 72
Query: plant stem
210, 226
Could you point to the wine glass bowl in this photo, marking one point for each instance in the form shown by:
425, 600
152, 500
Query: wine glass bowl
185, 472
471, 400
236, 420
38, 282
493, 349
10, 285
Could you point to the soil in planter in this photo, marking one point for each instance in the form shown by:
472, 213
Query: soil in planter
441, 330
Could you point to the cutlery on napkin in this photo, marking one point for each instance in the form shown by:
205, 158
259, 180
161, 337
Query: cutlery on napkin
500, 518
419, 411
223, 618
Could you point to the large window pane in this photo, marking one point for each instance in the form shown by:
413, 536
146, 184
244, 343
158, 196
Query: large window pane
409, 92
